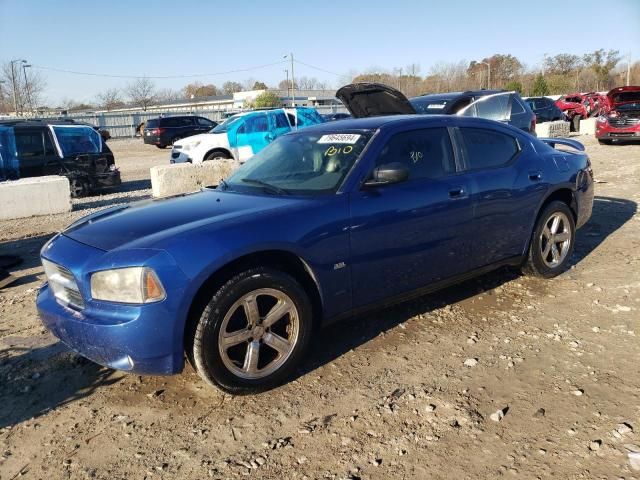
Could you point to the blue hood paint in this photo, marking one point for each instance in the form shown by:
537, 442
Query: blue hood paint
148, 221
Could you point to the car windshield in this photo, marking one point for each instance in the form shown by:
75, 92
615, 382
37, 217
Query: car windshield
429, 105
224, 126
573, 99
628, 106
305, 163
626, 97
75, 139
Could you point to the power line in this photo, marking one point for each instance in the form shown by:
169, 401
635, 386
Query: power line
320, 69
190, 75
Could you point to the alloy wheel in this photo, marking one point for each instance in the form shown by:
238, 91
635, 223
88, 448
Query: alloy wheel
258, 333
555, 239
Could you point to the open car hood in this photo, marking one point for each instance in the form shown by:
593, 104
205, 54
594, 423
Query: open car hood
373, 100
611, 95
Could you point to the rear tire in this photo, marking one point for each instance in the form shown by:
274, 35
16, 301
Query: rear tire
253, 332
552, 242
161, 146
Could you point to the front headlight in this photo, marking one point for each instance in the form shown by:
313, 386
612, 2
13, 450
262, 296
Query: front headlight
127, 285
602, 119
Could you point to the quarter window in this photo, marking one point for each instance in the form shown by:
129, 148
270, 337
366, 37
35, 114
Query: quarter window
281, 120
204, 122
426, 153
487, 148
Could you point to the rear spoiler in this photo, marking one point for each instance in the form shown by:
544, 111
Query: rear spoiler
552, 142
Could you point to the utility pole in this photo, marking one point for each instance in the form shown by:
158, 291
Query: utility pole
13, 82
286, 71
26, 86
293, 85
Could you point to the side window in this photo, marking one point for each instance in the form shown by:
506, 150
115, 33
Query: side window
459, 105
516, 107
493, 107
186, 122
308, 117
29, 144
426, 153
170, 122
203, 122
487, 148
292, 119
256, 124
281, 120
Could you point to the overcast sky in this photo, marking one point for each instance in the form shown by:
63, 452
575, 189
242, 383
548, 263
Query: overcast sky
186, 37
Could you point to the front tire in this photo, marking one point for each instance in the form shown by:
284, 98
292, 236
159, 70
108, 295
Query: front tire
217, 155
575, 123
605, 141
253, 332
552, 242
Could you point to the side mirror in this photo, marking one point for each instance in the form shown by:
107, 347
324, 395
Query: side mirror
388, 173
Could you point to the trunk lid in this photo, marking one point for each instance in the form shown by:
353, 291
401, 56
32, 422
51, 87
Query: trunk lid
373, 100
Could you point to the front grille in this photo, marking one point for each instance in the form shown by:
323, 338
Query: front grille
63, 284
621, 122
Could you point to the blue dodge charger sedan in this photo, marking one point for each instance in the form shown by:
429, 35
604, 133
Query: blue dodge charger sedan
322, 224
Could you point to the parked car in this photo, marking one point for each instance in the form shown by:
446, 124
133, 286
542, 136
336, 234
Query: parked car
379, 99
243, 135
545, 109
574, 109
325, 222
164, 131
332, 117
34, 148
622, 122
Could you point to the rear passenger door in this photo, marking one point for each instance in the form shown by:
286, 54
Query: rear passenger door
30, 151
506, 186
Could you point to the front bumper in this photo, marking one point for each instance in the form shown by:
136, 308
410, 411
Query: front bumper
608, 132
106, 180
142, 339
178, 156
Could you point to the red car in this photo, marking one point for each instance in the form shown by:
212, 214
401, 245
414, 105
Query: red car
623, 121
574, 109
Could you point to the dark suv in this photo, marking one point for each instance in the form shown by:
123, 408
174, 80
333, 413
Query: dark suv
163, 131
34, 148
545, 109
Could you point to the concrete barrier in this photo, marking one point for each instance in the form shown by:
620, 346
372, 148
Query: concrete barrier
29, 197
588, 126
185, 177
556, 129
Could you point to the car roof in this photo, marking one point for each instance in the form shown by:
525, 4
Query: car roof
390, 121
41, 122
452, 95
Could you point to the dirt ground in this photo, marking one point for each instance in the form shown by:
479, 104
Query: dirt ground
409, 392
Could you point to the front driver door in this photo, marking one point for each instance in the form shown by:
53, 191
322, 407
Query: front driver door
407, 235
253, 135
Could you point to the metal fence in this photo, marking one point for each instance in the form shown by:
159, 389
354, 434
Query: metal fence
124, 125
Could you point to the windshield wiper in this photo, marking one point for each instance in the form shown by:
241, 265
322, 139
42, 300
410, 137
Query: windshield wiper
268, 186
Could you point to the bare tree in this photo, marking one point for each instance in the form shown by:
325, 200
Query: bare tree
169, 95
197, 90
142, 92
231, 87
110, 99
23, 87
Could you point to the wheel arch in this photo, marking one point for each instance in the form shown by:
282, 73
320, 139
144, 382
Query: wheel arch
282, 260
217, 149
563, 194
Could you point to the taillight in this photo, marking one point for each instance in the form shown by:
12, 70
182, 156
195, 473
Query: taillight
532, 128
157, 131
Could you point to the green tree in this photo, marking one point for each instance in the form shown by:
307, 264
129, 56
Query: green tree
265, 100
540, 86
602, 62
514, 85
259, 86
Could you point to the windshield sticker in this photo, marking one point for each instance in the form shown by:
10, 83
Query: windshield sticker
349, 138
438, 106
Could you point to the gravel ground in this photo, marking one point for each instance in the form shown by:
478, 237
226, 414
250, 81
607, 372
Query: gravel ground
504, 375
